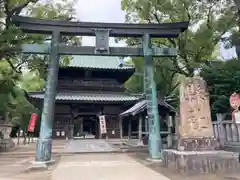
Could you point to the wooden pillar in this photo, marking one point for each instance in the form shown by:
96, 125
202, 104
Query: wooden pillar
81, 125
146, 124
70, 128
120, 127
170, 135
140, 118
100, 134
129, 128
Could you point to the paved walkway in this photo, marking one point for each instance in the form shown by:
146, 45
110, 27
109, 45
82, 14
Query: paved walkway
103, 167
89, 146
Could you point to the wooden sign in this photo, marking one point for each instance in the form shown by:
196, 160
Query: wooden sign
32, 122
102, 122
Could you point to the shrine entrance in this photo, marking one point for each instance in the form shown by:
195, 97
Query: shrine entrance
86, 127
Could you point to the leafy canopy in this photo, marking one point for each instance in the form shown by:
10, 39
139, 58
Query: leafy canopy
209, 21
20, 73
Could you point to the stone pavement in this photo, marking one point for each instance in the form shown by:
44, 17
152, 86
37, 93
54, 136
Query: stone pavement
97, 166
90, 146
103, 167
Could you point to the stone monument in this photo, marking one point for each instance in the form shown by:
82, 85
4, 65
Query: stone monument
196, 147
5, 139
195, 126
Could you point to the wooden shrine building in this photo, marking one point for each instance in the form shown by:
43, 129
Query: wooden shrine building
87, 88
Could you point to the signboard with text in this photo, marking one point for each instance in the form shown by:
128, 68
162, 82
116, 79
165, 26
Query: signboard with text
102, 123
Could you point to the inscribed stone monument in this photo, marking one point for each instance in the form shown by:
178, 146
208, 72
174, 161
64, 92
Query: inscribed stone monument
195, 127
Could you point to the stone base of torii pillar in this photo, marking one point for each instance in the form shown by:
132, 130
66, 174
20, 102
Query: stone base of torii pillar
197, 149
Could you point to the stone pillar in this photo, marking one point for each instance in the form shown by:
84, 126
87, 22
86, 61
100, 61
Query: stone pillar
6, 129
195, 127
222, 136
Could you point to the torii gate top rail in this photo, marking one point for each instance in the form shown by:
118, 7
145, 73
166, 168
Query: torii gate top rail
41, 26
102, 31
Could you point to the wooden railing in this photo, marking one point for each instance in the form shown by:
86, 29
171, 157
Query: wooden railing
227, 133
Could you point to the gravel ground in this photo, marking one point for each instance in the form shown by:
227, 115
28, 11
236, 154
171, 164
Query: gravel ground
142, 156
14, 168
13, 164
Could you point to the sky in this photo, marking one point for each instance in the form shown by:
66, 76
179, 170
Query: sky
110, 11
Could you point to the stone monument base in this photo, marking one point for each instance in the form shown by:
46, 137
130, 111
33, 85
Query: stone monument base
197, 144
197, 162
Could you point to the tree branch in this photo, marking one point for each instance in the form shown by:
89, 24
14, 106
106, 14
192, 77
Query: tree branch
17, 10
13, 67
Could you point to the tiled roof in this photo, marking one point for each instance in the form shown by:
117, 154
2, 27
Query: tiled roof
98, 62
87, 96
142, 105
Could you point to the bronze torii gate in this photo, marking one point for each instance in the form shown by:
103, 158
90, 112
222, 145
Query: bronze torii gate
102, 31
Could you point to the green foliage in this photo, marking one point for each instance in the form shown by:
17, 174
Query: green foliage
166, 81
17, 71
8, 80
209, 20
135, 83
199, 45
31, 81
12, 38
20, 110
14, 105
223, 79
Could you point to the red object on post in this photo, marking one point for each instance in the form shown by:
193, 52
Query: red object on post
234, 101
32, 122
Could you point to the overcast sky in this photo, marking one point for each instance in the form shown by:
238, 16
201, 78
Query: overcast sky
110, 11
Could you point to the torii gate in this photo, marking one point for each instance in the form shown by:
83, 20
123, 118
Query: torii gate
102, 31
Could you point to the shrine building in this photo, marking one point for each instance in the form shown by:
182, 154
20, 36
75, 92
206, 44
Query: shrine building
92, 86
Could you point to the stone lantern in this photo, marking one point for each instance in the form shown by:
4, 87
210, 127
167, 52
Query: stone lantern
5, 139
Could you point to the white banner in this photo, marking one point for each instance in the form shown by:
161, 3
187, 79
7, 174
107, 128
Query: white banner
102, 123
237, 117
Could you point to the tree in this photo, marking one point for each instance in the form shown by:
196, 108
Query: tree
209, 21
8, 80
12, 38
19, 73
223, 79
166, 81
